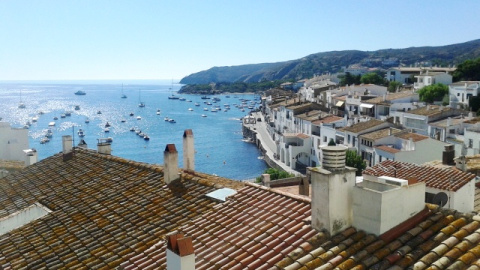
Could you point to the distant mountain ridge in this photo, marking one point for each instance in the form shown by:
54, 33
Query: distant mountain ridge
333, 61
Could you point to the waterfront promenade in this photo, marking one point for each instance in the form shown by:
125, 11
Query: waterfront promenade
266, 142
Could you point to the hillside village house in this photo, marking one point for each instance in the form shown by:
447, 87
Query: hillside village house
393, 102
461, 92
472, 139
419, 119
88, 209
406, 75
427, 78
455, 194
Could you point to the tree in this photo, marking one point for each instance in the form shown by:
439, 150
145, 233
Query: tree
434, 92
393, 85
331, 143
372, 78
356, 161
469, 70
275, 174
350, 79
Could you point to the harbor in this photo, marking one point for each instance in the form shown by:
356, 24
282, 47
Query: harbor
57, 108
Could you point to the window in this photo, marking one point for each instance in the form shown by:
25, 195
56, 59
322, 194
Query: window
380, 158
324, 138
470, 143
348, 138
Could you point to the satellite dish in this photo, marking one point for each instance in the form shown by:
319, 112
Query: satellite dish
440, 199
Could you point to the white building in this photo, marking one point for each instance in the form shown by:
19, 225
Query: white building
14, 144
419, 119
407, 147
428, 78
406, 75
461, 92
450, 188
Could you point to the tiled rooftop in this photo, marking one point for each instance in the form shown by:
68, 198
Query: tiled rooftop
390, 97
430, 110
378, 134
433, 239
105, 210
253, 229
328, 119
363, 125
414, 136
445, 179
387, 149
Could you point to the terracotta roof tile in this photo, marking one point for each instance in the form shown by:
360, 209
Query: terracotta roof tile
445, 179
363, 126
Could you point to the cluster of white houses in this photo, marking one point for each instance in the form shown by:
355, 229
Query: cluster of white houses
378, 124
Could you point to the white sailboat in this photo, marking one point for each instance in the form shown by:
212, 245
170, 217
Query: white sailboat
123, 95
141, 104
21, 105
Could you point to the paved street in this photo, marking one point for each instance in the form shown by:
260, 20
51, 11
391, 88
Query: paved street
267, 142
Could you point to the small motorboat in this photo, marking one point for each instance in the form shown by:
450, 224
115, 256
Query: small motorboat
131, 114
166, 119
109, 139
55, 118
203, 115
205, 109
139, 118
196, 104
146, 138
81, 133
44, 140
51, 124
34, 119
80, 93
107, 125
49, 133
106, 130
123, 120
158, 112
190, 109
62, 115
132, 129
77, 107
68, 113
171, 121
87, 121
99, 112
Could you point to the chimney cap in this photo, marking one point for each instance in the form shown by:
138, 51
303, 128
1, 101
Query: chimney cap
179, 244
187, 132
171, 148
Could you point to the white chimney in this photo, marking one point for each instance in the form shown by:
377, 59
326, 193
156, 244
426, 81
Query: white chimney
332, 186
180, 252
67, 144
31, 156
170, 158
104, 146
382, 203
188, 150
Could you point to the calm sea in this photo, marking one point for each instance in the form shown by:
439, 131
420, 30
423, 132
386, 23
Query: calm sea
218, 137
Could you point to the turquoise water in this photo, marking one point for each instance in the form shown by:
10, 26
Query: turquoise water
218, 137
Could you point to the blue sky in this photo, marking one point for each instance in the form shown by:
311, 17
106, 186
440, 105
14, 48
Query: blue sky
126, 39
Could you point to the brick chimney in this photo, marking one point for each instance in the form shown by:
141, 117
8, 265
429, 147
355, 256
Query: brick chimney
170, 159
448, 155
332, 186
180, 253
188, 150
